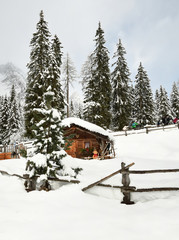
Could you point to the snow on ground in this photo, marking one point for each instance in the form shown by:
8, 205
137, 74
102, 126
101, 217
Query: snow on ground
68, 213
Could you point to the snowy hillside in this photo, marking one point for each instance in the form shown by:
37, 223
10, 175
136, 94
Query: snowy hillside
68, 213
9, 75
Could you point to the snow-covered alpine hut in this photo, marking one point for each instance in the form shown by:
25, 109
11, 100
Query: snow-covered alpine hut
86, 137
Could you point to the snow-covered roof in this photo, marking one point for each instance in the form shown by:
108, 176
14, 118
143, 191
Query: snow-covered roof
67, 122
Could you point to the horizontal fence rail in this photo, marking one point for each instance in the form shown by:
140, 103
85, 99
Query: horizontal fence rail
146, 129
153, 171
155, 189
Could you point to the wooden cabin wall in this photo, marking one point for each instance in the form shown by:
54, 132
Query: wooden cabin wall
79, 141
78, 144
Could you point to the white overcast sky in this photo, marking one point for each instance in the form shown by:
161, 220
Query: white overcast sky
149, 30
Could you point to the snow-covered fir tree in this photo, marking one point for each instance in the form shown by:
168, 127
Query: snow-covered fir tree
156, 105
49, 141
164, 103
174, 99
1, 106
57, 50
14, 121
69, 76
37, 74
21, 114
4, 120
144, 104
178, 85
45, 110
121, 93
88, 88
132, 95
98, 95
57, 54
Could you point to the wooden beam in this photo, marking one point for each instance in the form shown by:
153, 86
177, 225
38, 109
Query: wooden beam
130, 188
153, 171
156, 189
11, 175
105, 178
64, 180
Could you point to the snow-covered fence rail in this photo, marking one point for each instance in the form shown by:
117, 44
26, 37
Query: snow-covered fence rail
27, 178
153, 189
125, 188
154, 171
146, 129
155, 128
11, 175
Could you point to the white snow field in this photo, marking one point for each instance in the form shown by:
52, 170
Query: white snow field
68, 213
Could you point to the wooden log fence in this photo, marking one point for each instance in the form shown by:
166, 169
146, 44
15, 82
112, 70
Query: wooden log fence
105, 178
126, 189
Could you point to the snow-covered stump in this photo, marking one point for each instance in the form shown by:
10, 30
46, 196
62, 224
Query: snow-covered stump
125, 182
30, 183
44, 185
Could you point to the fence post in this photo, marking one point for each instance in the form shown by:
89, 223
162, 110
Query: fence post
5, 148
125, 128
147, 130
125, 182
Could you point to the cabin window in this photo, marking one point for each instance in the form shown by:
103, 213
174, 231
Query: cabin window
87, 144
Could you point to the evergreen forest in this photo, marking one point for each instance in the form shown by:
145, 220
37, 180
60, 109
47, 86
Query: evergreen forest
111, 99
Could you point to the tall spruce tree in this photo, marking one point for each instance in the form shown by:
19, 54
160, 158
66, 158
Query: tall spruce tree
144, 104
178, 85
49, 139
121, 91
98, 96
1, 107
4, 120
132, 94
164, 103
14, 116
157, 105
174, 99
37, 74
44, 106
57, 54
